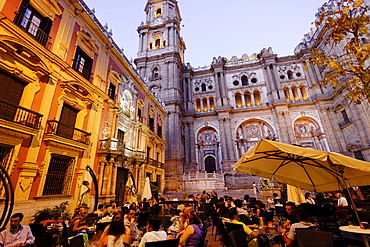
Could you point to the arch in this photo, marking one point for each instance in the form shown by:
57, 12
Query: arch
295, 93
302, 88
157, 43
197, 105
308, 133
249, 132
210, 164
155, 73
158, 12
244, 80
247, 98
286, 93
211, 103
290, 74
257, 97
205, 104
238, 100
204, 87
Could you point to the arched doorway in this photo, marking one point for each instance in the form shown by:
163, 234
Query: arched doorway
210, 164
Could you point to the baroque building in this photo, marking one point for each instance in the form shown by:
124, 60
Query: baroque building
69, 101
217, 112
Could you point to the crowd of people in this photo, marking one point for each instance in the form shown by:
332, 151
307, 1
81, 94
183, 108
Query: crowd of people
187, 226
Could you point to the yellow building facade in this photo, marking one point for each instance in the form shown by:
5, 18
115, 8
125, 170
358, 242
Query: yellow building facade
69, 98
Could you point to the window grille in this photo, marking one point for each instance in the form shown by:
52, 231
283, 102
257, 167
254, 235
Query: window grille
60, 174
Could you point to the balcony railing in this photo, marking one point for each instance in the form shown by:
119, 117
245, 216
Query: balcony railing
20, 115
155, 163
118, 146
56, 128
40, 35
344, 123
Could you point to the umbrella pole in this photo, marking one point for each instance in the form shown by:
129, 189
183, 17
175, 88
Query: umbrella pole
351, 202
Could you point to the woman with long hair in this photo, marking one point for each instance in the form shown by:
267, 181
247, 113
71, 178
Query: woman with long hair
261, 209
114, 237
193, 232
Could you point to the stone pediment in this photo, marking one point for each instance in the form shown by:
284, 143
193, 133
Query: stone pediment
86, 43
47, 8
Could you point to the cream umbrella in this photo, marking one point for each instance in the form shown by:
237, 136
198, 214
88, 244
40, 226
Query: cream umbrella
304, 168
295, 195
130, 189
147, 192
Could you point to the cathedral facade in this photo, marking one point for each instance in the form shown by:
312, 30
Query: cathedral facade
217, 112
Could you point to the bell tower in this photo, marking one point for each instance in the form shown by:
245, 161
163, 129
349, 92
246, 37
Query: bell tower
160, 62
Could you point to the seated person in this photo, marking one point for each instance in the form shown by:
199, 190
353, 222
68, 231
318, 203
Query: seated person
290, 214
303, 217
309, 199
115, 235
17, 234
175, 227
193, 232
78, 224
132, 232
260, 209
118, 216
100, 211
232, 214
342, 201
153, 234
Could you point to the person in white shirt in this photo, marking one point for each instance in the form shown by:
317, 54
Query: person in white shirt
309, 198
302, 216
153, 234
342, 201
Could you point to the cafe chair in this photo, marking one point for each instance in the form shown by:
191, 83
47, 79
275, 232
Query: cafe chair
203, 241
312, 238
232, 227
77, 241
164, 243
91, 219
238, 238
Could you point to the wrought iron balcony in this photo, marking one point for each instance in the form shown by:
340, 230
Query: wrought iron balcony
118, 146
56, 128
37, 33
20, 115
155, 163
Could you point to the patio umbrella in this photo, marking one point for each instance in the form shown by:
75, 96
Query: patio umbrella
130, 189
302, 167
295, 195
147, 193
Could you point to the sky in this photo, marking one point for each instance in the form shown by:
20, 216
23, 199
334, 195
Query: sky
212, 28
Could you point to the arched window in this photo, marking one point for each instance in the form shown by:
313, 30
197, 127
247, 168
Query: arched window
164, 43
238, 100
205, 104
303, 92
197, 105
290, 74
150, 46
158, 12
204, 87
155, 73
211, 104
295, 93
247, 98
257, 97
157, 43
244, 80
287, 94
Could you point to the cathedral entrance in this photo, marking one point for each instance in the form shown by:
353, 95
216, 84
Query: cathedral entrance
210, 164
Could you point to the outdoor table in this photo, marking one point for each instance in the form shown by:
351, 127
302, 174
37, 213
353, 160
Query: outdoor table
357, 229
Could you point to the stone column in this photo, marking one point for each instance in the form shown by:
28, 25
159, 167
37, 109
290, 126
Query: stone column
230, 140
102, 161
